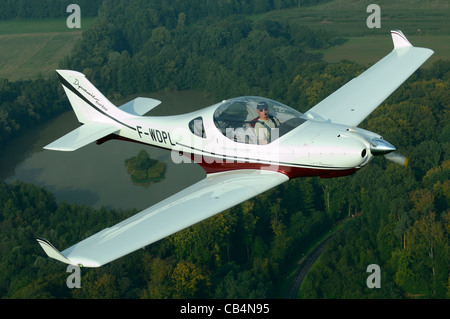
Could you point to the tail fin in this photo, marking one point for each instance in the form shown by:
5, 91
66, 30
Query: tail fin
89, 104
99, 116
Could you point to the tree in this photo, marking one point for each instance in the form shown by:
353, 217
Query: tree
427, 243
98, 286
249, 220
208, 242
160, 284
189, 280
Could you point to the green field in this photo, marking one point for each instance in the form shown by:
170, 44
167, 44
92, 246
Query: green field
425, 23
368, 50
32, 47
348, 17
35, 46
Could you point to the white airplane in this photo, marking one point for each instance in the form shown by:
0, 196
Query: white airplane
246, 145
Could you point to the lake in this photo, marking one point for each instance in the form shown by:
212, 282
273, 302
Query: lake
96, 175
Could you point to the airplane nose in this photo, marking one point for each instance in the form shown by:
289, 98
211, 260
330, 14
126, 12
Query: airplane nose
379, 146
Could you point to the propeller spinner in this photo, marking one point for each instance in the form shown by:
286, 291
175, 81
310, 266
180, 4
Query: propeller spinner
379, 146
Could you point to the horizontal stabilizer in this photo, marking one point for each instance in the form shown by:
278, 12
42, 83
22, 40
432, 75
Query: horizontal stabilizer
140, 105
82, 136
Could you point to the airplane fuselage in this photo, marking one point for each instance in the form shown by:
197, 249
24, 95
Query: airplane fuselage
311, 149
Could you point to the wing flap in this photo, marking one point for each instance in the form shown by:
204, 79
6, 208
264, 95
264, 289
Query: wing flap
212, 195
353, 102
85, 134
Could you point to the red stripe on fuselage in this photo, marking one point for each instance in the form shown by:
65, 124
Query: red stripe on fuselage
214, 165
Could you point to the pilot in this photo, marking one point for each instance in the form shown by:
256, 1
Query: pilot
265, 124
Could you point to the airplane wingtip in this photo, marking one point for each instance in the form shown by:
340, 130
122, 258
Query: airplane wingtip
51, 251
399, 40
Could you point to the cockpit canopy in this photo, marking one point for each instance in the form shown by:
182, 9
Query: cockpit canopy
240, 119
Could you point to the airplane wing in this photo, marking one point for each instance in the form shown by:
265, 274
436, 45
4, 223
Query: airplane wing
353, 102
81, 136
212, 195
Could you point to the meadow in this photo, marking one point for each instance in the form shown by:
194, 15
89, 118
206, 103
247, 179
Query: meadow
425, 23
33, 47
368, 50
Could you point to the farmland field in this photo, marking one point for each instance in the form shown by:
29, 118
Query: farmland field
33, 47
29, 48
368, 50
348, 17
425, 23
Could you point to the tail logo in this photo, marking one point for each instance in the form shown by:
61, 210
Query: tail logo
77, 84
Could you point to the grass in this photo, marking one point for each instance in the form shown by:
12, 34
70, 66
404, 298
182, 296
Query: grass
30, 48
20, 26
368, 50
27, 56
347, 19
35, 46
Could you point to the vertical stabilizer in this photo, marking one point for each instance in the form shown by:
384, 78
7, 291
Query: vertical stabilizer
89, 104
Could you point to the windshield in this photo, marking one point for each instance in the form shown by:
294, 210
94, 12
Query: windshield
255, 120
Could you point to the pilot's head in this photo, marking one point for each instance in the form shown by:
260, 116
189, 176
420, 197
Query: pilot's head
263, 110
262, 106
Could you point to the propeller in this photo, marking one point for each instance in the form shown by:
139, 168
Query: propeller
378, 146
397, 158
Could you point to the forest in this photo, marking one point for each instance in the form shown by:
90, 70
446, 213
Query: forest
389, 215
